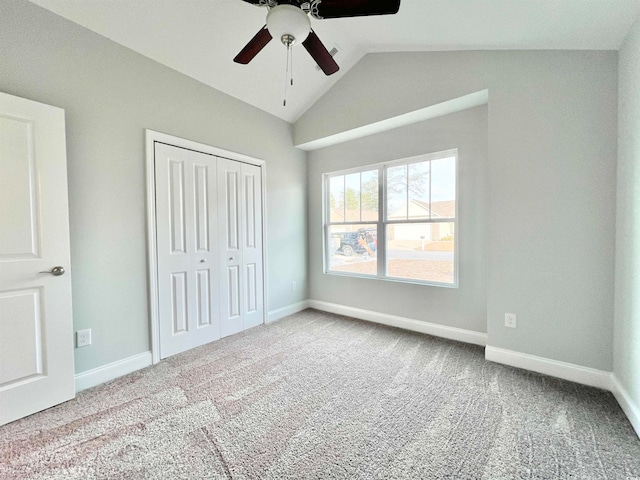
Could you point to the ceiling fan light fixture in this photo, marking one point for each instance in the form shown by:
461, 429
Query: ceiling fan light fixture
286, 21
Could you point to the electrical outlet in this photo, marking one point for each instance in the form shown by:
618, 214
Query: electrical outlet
294, 286
510, 320
83, 338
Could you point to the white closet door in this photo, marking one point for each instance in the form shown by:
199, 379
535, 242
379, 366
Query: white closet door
187, 248
240, 234
252, 246
230, 244
36, 325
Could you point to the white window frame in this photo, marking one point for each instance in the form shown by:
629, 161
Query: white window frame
383, 222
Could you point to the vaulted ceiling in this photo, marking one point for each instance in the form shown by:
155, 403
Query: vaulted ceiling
201, 37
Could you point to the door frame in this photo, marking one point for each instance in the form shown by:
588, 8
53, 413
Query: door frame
151, 138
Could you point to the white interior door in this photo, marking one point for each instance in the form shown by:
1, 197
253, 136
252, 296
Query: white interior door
187, 248
240, 233
36, 326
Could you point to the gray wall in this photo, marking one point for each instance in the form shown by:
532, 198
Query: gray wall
463, 307
627, 304
111, 95
552, 123
552, 146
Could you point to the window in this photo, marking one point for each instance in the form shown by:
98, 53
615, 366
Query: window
394, 221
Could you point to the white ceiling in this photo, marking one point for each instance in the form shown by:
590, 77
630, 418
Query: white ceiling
200, 37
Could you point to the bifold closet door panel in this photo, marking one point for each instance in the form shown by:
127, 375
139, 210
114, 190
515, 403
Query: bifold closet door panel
240, 240
252, 261
188, 274
230, 233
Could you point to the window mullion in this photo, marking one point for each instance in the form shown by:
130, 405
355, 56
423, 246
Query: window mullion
344, 197
407, 182
382, 215
430, 206
360, 193
326, 222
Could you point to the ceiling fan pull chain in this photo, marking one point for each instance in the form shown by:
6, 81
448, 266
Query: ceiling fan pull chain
286, 77
292, 68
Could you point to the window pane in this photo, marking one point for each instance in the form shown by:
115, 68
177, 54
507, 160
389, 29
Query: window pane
369, 195
421, 251
352, 197
443, 188
419, 190
397, 193
336, 198
352, 248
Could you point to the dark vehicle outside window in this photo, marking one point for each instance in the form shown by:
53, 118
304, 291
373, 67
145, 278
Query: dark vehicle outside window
360, 242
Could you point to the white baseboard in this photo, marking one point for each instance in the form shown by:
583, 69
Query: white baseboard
452, 333
554, 368
279, 313
103, 374
631, 410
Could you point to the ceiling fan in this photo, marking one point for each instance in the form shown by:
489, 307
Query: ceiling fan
289, 21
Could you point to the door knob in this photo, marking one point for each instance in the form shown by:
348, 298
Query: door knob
56, 271
231, 258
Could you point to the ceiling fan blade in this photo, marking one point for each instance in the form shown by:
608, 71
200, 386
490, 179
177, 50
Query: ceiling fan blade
254, 46
320, 54
355, 8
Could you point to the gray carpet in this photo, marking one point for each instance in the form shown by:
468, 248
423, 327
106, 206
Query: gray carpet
317, 395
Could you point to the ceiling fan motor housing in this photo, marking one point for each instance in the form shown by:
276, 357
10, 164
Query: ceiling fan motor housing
286, 21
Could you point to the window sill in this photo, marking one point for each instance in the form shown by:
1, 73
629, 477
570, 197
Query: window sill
392, 279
